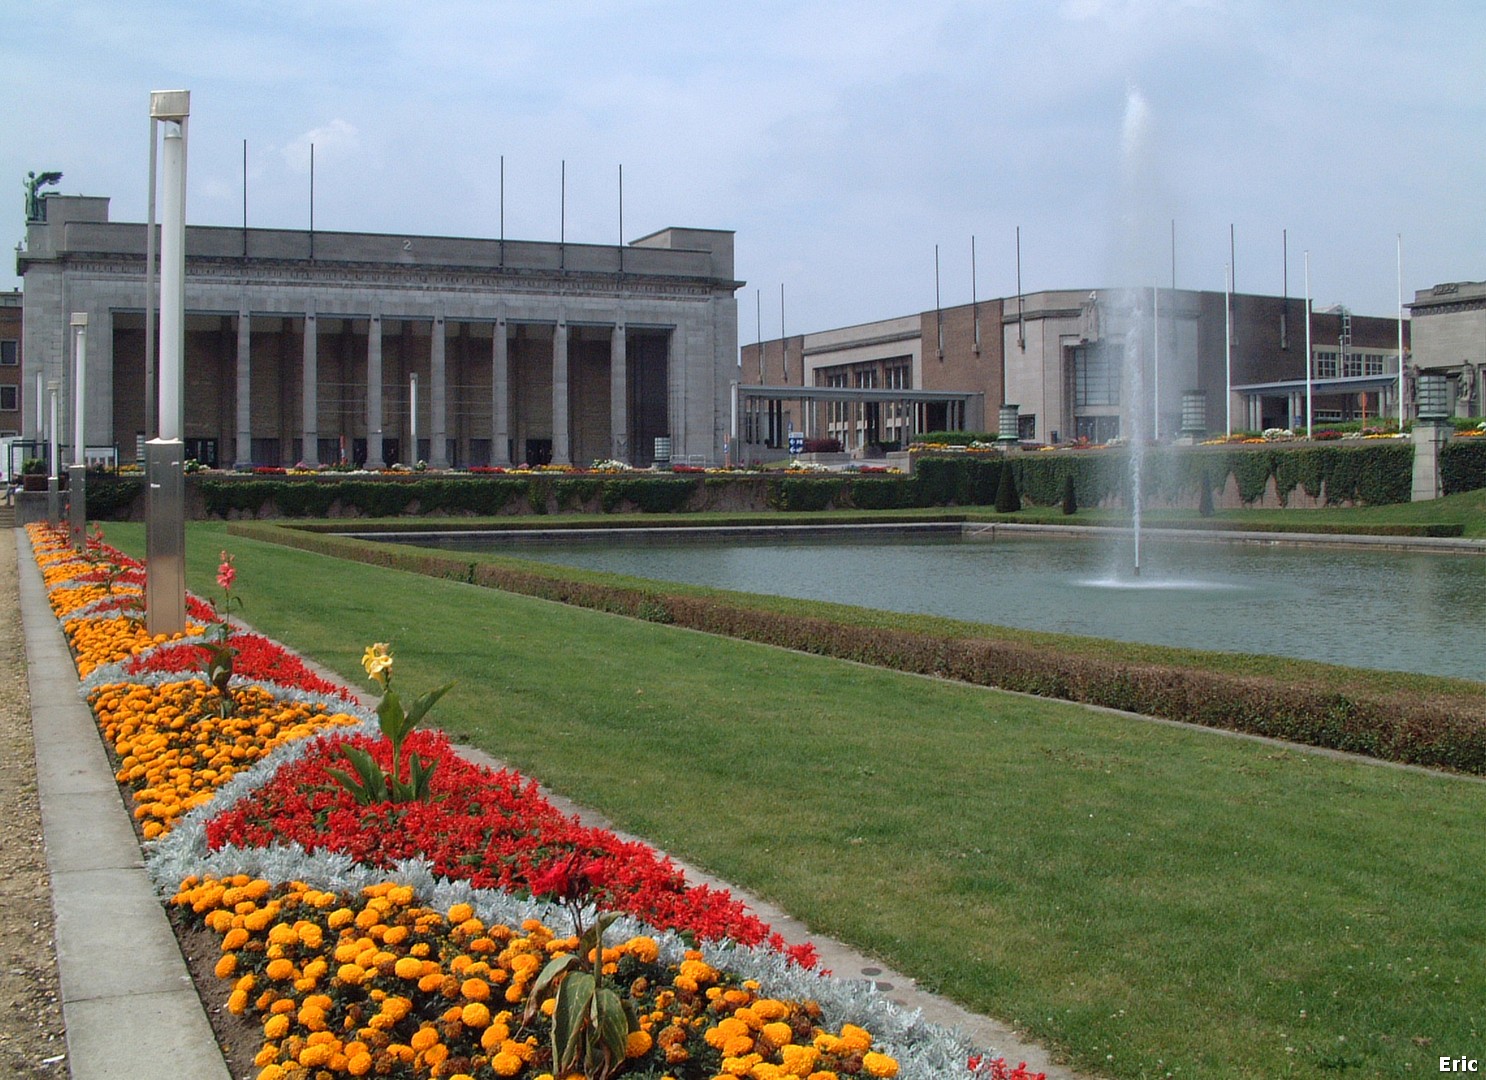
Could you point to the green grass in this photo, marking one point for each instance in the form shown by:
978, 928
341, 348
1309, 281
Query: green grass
1150, 900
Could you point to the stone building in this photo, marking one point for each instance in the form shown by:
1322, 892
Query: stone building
1450, 339
1060, 357
314, 346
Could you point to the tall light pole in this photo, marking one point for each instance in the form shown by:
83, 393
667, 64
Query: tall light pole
165, 534
52, 505
413, 419
77, 484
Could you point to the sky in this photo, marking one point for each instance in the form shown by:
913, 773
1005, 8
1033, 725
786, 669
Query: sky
842, 140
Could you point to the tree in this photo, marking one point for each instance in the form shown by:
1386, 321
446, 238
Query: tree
1070, 497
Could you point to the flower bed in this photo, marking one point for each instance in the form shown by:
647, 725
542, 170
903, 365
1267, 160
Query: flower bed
411, 938
490, 828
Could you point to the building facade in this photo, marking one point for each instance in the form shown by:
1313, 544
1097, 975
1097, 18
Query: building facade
1449, 323
10, 364
319, 347
1072, 362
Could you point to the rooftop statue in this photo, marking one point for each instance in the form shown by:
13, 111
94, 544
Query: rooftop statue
35, 207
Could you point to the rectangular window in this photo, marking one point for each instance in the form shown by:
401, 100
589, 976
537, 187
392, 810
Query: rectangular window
10, 353
1373, 363
10, 398
1325, 365
1026, 427
1096, 374
1351, 365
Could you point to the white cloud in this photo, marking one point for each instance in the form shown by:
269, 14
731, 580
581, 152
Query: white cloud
336, 139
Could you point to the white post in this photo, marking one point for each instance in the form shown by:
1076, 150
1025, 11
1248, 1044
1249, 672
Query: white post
172, 277
1400, 333
77, 498
1309, 421
52, 386
79, 378
413, 417
1155, 363
1228, 348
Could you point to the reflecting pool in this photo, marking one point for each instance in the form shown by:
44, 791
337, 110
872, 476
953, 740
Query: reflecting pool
1408, 611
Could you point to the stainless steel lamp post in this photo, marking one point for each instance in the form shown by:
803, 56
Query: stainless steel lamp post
77, 482
165, 534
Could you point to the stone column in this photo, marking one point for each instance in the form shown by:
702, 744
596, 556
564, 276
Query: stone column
438, 434
242, 452
618, 394
560, 446
374, 393
500, 396
1429, 437
310, 393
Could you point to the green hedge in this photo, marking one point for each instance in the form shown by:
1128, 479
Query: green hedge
1375, 473
1396, 727
112, 498
1463, 465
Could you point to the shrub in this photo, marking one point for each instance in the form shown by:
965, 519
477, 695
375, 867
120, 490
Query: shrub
1070, 495
112, 497
1463, 465
1008, 500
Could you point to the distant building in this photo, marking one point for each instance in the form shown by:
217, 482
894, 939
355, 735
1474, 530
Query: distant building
1059, 357
1450, 339
10, 364
304, 346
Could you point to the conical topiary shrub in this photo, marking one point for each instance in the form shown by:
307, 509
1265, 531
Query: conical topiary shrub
1008, 499
1205, 499
1070, 497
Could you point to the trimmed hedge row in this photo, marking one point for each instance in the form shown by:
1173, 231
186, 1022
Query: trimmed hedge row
1395, 727
1463, 465
1373, 473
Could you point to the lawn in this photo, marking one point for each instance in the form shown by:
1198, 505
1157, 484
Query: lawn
1150, 900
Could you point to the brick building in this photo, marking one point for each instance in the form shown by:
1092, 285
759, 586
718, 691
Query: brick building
10, 363
1059, 357
307, 346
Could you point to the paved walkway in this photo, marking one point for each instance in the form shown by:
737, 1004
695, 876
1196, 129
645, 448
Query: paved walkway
128, 1003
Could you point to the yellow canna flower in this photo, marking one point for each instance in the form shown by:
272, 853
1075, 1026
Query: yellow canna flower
377, 660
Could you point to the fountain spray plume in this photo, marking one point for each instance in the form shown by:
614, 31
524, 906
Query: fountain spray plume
1134, 304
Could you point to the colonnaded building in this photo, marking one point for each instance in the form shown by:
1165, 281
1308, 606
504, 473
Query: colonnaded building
313, 347
1206, 361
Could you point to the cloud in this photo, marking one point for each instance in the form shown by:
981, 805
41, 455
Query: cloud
335, 139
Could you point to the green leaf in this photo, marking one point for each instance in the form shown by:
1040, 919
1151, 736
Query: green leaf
343, 778
569, 1019
420, 776
555, 967
424, 703
373, 784
392, 719
611, 1022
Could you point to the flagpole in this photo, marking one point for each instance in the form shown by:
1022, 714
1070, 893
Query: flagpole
1228, 348
1400, 333
1309, 422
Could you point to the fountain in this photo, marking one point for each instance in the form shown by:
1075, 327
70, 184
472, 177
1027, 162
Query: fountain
1135, 153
